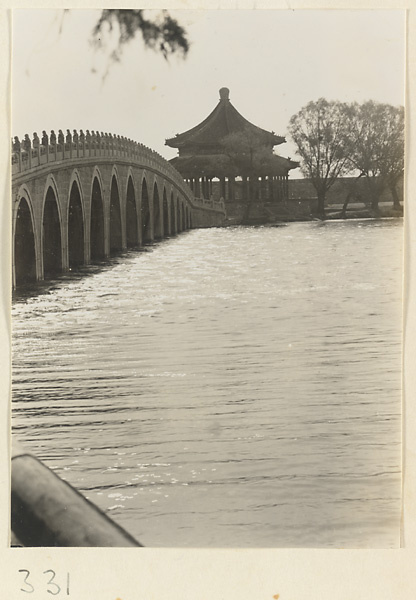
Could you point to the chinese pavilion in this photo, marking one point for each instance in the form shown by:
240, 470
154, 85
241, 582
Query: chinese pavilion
206, 153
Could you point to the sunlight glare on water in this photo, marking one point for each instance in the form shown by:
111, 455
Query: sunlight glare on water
228, 387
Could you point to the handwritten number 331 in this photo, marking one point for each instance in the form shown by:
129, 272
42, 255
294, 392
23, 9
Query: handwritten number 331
52, 587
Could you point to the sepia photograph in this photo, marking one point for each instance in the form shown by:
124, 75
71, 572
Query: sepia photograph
207, 257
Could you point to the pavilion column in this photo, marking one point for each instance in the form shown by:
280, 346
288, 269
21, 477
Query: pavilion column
244, 191
231, 190
274, 194
270, 187
256, 187
222, 188
280, 190
250, 188
197, 191
263, 187
286, 193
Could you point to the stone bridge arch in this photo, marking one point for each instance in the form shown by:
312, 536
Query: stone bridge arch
157, 210
53, 239
173, 229
132, 211
97, 218
146, 211
117, 235
181, 219
76, 223
165, 213
26, 241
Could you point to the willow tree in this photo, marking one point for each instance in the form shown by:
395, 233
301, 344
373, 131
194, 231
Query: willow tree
393, 162
378, 150
159, 31
321, 133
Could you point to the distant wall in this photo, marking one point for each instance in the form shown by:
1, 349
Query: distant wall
302, 189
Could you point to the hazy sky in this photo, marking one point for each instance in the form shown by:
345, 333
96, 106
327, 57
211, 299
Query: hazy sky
274, 62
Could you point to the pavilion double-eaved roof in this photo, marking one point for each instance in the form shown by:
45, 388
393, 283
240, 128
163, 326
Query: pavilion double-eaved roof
204, 154
223, 120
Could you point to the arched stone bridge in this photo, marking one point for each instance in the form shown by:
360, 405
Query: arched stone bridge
85, 199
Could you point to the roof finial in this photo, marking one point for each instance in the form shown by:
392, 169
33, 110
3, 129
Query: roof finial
224, 93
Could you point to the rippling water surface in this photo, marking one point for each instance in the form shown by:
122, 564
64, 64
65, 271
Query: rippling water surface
227, 387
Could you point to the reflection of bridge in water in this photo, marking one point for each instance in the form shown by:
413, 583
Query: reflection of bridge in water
82, 201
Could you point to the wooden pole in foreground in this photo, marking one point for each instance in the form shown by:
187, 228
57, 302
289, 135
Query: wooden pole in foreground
47, 511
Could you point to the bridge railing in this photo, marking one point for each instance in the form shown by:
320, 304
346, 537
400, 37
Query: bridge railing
31, 154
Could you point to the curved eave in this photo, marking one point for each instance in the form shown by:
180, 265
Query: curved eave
219, 165
273, 140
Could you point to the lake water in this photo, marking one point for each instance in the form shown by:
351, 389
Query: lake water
227, 387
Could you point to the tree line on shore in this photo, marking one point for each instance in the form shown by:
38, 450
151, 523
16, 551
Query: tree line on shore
364, 141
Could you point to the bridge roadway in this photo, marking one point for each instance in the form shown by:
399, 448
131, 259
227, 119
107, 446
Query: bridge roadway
81, 201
